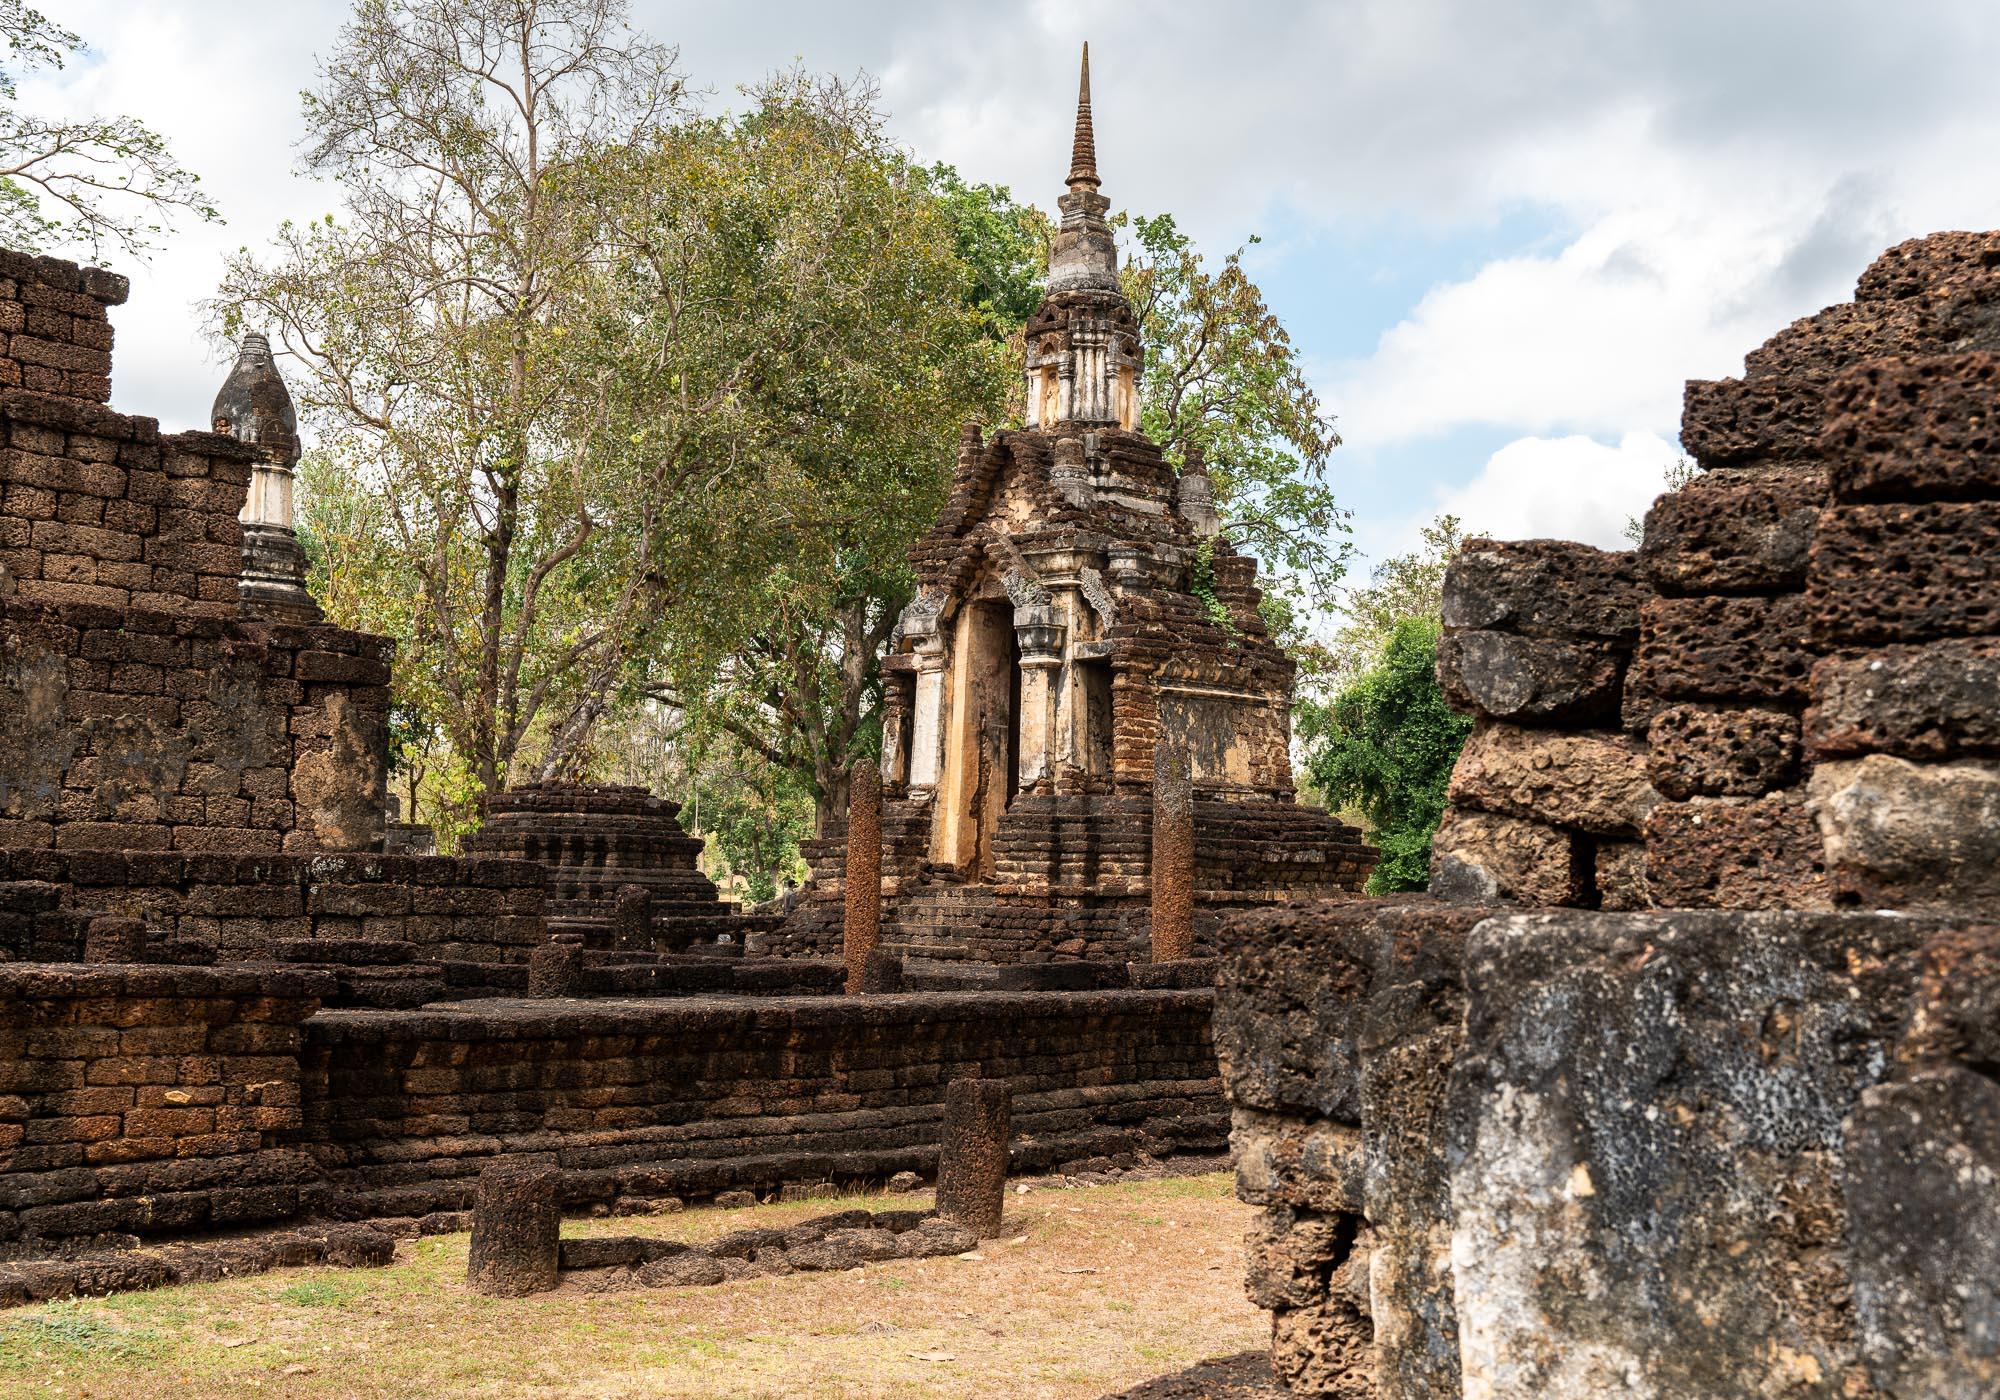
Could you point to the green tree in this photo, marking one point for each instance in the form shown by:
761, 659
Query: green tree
105, 182
1223, 376
885, 293
1385, 748
470, 366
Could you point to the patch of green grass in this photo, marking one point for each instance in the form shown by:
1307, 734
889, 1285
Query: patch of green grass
318, 1293
66, 1333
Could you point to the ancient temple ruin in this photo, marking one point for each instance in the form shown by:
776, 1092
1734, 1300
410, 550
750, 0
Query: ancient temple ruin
225, 1007
1680, 1084
1077, 606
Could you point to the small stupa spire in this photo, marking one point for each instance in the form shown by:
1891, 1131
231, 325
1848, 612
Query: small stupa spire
1083, 155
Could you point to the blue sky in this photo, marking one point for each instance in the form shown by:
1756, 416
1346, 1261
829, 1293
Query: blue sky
1502, 235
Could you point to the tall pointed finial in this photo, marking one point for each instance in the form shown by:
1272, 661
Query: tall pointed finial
1083, 156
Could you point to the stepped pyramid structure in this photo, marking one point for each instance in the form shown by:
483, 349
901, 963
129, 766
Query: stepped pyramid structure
1077, 606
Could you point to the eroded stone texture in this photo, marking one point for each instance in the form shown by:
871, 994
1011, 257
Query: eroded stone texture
1721, 648
1909, 834
1734, 531
516, 1225
1543, 588
1594, 782
1901, 572
1529, 679
1173, 855
1916, 429
1736, 853
1922, 1184
1647, 1132
1928, 702
861, 929
1702, 751
1481, 858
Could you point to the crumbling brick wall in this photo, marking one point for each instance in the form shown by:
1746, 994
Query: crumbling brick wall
691, 1097
1741, 1143
150, 1100
148, 714
1776, 702
245, 906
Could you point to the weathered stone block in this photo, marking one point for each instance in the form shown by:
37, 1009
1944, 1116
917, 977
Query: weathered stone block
1732, 422
1916, 429
516, 1229
1285, 1160
1922, 1185
1590, 781
1733, 853
1647, 1122
1734, 531
1929, 702
1529, 680
1482, 858
1904, 573
1920, 835
1543, 588
1698, 751
972, 1160
1620, 876
1755, 650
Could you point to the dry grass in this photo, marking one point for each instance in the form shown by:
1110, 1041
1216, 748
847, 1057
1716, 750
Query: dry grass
1112, 1285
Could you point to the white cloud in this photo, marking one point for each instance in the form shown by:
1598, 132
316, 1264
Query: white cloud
1724, 167
1568, 488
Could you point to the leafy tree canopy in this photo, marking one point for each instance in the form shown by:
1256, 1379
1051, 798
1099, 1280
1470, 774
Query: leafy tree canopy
101, 183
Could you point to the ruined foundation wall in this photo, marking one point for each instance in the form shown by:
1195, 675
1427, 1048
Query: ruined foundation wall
1742, 1140
150, 1100
691, 1097
247, 906
1072, 879
149, 715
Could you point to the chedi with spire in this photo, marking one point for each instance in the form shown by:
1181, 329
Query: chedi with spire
1084, 358
1077, 607
255, 407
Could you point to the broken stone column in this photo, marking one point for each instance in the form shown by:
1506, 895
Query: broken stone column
632, 918
556, 970
863, 927
516, 1230
1173, 853
972, 1161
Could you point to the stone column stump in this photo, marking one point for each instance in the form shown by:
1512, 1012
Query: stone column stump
516, 1230
972, 1160
862, 929
1173, 854
556, 970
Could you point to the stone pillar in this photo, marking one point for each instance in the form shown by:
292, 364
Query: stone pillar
972, 1160
927, 725
1173, 853
516, 1231
632, 918
556, 970
863, 927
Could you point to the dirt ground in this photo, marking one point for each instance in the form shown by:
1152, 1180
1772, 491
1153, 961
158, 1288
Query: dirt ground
1091, 1291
